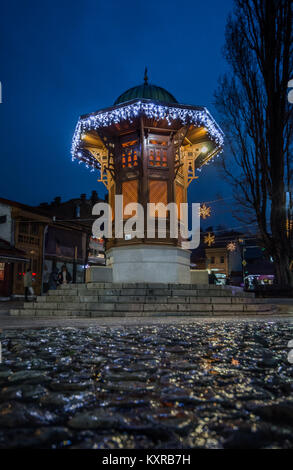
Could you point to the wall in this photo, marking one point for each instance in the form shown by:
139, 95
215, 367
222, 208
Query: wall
6, 228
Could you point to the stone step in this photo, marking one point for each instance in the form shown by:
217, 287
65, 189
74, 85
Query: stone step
147, 307
140, 285
154, 292
108, 299
135, 313
142, 299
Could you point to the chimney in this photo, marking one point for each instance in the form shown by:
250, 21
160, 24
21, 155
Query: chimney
83, 197
57, 201
94, 197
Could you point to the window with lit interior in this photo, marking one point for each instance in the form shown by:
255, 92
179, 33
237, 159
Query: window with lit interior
157, 152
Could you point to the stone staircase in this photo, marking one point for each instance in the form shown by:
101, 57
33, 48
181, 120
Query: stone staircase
144, 300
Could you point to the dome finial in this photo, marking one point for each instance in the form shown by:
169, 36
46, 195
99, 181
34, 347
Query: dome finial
146, 80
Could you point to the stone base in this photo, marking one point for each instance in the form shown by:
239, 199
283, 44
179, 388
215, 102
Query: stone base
198, 276
99, 274
149, 263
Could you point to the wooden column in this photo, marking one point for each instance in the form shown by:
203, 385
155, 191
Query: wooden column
144, 190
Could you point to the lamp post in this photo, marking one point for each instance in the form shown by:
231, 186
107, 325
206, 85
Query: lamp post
43, 259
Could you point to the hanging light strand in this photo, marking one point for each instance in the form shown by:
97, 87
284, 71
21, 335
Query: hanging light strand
198, 117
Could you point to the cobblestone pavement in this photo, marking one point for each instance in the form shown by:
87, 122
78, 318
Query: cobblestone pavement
189, 384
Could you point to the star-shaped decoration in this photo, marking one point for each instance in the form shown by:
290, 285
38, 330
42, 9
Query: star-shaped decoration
204, 211
231, 246
209, 239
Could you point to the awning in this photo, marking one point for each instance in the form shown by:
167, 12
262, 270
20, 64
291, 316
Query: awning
10, 254
13, 259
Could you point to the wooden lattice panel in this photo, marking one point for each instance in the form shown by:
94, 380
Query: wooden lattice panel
158, 192
179, 197
130, 194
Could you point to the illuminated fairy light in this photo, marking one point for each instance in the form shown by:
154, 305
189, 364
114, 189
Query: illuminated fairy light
204, 211
199, 118
209, 239
231, 246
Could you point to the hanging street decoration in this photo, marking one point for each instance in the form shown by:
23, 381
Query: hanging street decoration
209, 239
204, 211
231, 246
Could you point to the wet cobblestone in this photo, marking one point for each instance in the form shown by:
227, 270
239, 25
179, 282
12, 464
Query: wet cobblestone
163, 386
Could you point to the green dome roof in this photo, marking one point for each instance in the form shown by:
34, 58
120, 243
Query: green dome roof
147, 91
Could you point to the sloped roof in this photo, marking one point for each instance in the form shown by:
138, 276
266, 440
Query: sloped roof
10, 253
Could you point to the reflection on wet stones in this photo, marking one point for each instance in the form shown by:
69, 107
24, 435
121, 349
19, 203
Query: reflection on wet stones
125, 377
68, 402
95, 419
28, 376
175, 421
75, 386
197, 385
26, 392
16, 414
281, 413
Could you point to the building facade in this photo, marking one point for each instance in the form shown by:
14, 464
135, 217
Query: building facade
44, 238
23, 228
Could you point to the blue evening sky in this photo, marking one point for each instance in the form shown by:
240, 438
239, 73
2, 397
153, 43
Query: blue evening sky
60, 59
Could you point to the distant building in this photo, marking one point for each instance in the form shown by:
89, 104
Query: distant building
259, 269
43, 238
9, 257
235, 256
23, 227
224, 258
77, 211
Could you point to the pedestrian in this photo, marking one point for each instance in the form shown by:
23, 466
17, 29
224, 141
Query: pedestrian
255, 283
46, 279
212, 278
53, 279
28, 284
64, 276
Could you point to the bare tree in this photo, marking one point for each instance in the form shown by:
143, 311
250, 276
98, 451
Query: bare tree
258, 120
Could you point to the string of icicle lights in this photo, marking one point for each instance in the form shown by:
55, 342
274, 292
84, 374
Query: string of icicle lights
197, 117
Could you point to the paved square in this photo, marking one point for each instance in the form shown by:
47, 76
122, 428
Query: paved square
185, 384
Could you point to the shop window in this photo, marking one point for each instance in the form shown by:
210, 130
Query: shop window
2, 271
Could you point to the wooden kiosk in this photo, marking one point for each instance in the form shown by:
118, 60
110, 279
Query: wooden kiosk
147, 148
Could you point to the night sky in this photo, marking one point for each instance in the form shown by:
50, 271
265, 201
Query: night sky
61, 59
